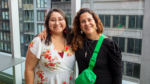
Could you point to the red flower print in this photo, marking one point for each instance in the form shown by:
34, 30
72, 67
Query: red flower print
31, 44
51, 64
70, 78
46, 65
46, 56
64, 82
49, 57
47, 51
67, 54
52, 59
40, 74
67, 48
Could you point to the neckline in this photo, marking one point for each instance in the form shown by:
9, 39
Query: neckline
60, 52
92, 40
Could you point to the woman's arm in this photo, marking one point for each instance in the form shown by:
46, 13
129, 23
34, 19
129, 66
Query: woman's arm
30, 64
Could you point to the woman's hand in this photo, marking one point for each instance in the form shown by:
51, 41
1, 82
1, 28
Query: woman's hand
43, 34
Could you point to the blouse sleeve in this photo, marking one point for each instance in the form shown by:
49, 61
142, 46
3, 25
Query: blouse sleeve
36, 47
115, 62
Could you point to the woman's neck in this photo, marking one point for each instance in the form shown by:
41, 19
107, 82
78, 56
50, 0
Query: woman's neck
57, 36
94, 36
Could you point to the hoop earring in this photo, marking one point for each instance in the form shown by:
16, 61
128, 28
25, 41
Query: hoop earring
81, 32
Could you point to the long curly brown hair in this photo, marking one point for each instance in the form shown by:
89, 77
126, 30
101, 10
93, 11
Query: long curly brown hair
78, 39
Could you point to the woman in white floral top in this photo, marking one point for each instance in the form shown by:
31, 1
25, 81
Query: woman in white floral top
51, 61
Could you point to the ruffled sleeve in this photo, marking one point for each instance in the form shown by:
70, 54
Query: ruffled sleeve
36, 47
115, 62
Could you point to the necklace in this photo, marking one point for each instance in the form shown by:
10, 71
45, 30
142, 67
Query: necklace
89, 45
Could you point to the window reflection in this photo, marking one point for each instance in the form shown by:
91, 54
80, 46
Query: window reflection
69, 19
131, 69
41, 3
119, 20
41, 14
29, 15
120, 41
5, 14
136, 22
40, 27
29, 27
105, 20
0, 25
134, 46
4, 3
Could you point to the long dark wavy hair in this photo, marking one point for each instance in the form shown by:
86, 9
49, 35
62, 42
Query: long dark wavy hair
78, 39
66, 35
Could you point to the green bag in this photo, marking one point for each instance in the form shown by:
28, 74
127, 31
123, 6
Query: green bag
88, 76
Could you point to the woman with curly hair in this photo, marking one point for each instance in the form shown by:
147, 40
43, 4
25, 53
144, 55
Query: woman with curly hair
87, 29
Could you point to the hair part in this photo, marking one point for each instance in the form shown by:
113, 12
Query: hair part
79, 38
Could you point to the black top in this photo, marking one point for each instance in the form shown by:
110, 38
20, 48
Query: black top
108, 67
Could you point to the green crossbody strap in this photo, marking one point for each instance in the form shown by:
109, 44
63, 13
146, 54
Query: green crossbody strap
95, 52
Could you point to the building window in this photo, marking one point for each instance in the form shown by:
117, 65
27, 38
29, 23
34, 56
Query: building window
0, 14
20, 3
28, 38
21, 38
105, 19
6, 26
29, 27
7, 47
20, 15
55, 0
134, 46
0, 5
28, 1
135, 22
1, 35
120, 41
69, 19
5, 14
41, 3
131, 69
40, 28
1, 46
4, 4
21, 27
22, 50
119, 21
0, 25
138, 46
41, 15
29, 15
6, 36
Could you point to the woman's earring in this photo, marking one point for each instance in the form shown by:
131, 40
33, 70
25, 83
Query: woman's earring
96, 28
81, 32
65, 30
50, 31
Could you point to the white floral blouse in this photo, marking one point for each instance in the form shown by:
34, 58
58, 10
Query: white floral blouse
51, 68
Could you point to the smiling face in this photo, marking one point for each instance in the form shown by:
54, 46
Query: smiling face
87, 23
57, 23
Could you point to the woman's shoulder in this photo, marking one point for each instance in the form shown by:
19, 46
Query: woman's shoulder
107, 40
112, 45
